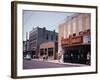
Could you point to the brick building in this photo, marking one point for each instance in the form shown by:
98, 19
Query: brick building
75, 38
38, 36
25, 47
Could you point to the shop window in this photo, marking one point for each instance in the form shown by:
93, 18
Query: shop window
50, 51
41, 52
45, 51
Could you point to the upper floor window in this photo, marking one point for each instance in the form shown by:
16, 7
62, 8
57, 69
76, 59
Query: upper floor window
51, 37
47, 37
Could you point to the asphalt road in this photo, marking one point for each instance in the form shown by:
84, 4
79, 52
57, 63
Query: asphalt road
33, 64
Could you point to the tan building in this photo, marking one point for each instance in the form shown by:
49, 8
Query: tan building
75, 38
48, 50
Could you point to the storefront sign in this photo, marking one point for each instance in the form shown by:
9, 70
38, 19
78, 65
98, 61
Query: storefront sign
76, 40
64, 41
72, 40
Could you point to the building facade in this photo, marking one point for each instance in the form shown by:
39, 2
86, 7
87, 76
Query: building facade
38, 36
75, 38
25, 47
49, 50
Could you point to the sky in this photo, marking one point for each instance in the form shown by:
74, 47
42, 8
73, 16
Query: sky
48, 19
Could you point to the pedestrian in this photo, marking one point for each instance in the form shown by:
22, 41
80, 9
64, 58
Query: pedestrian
59, 57
88, 58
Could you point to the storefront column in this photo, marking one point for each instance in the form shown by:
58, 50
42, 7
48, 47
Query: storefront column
66, 25
89, 21
83, 22
77, 25
71, 26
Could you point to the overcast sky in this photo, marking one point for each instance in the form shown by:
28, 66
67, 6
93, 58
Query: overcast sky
47, 19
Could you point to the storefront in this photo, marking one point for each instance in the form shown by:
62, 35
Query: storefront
77, 49
77, 54
75, 38
48, 50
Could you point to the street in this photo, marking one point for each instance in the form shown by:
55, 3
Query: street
35, 64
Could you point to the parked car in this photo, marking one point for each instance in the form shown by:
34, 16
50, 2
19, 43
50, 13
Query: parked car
28, 57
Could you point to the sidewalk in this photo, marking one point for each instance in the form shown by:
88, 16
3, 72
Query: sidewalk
57, 61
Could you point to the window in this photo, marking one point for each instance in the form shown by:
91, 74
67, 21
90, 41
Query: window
51, 37
47, 36
50, 51
45, 51
41, 52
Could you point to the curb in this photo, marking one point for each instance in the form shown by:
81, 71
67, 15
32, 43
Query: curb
61, 62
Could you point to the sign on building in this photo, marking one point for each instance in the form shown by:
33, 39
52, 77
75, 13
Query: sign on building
86, 39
